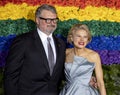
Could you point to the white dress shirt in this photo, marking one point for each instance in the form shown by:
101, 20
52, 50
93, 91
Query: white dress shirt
43, 38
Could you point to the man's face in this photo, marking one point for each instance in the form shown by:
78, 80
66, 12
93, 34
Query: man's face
47, 22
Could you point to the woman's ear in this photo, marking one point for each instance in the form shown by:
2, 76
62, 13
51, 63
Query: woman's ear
71, 38
89, 41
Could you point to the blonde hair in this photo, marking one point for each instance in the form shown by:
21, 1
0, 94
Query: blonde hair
77, 27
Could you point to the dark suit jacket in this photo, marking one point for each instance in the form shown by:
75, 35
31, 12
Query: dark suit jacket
27, 70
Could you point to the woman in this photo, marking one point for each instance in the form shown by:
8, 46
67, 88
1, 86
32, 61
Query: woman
80, 63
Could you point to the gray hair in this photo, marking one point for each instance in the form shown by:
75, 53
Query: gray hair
45, 7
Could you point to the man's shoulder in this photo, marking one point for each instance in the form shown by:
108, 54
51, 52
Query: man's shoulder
24, 37
27, 34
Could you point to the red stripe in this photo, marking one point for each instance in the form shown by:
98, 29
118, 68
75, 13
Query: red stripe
77, 3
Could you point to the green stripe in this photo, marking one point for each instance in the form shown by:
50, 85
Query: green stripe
22, 25
97, 28
16, 26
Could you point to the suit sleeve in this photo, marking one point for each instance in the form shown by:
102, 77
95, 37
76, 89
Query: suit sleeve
13, 66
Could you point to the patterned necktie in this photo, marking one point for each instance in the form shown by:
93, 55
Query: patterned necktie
50, 56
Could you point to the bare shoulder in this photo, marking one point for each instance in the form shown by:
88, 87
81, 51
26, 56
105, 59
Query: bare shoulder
93, 55
69, 55
69, 50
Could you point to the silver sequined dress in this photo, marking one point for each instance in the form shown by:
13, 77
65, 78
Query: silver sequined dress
78, 75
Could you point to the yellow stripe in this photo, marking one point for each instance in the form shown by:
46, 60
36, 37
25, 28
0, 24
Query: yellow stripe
14, 12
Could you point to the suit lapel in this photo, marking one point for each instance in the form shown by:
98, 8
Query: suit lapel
57, 46
41, 50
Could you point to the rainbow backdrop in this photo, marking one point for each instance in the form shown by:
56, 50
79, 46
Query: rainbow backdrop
102, 16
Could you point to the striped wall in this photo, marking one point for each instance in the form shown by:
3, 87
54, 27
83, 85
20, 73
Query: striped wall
102, 17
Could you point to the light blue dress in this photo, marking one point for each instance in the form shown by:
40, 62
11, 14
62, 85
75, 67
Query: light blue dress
78, 75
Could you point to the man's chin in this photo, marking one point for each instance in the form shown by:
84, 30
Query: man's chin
51, 31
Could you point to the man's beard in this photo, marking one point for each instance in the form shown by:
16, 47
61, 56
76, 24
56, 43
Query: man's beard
52, 29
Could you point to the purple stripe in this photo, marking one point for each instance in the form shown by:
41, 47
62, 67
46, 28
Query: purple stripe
107, 57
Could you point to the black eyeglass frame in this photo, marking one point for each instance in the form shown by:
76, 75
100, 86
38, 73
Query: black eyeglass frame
48, 20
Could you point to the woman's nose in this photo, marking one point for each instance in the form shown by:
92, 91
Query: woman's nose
81, 38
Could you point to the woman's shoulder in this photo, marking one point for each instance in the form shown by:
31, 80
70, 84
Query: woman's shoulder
69, 50
93, 55
92, 52
69, 55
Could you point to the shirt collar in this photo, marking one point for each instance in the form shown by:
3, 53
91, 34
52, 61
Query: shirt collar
42, 35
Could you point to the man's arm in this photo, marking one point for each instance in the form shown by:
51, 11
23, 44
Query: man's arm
93, 82
13, 67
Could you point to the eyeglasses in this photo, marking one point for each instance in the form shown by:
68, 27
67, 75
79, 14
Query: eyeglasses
49, 20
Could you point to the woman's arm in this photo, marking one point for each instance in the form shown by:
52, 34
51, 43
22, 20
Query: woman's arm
99, 74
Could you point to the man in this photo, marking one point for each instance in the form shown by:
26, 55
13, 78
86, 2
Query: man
28, 70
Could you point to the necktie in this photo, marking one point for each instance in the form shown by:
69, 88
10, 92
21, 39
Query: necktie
50, 56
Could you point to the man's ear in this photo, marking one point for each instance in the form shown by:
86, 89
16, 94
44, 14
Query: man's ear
37, 20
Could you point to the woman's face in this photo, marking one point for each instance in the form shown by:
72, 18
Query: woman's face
80, 38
